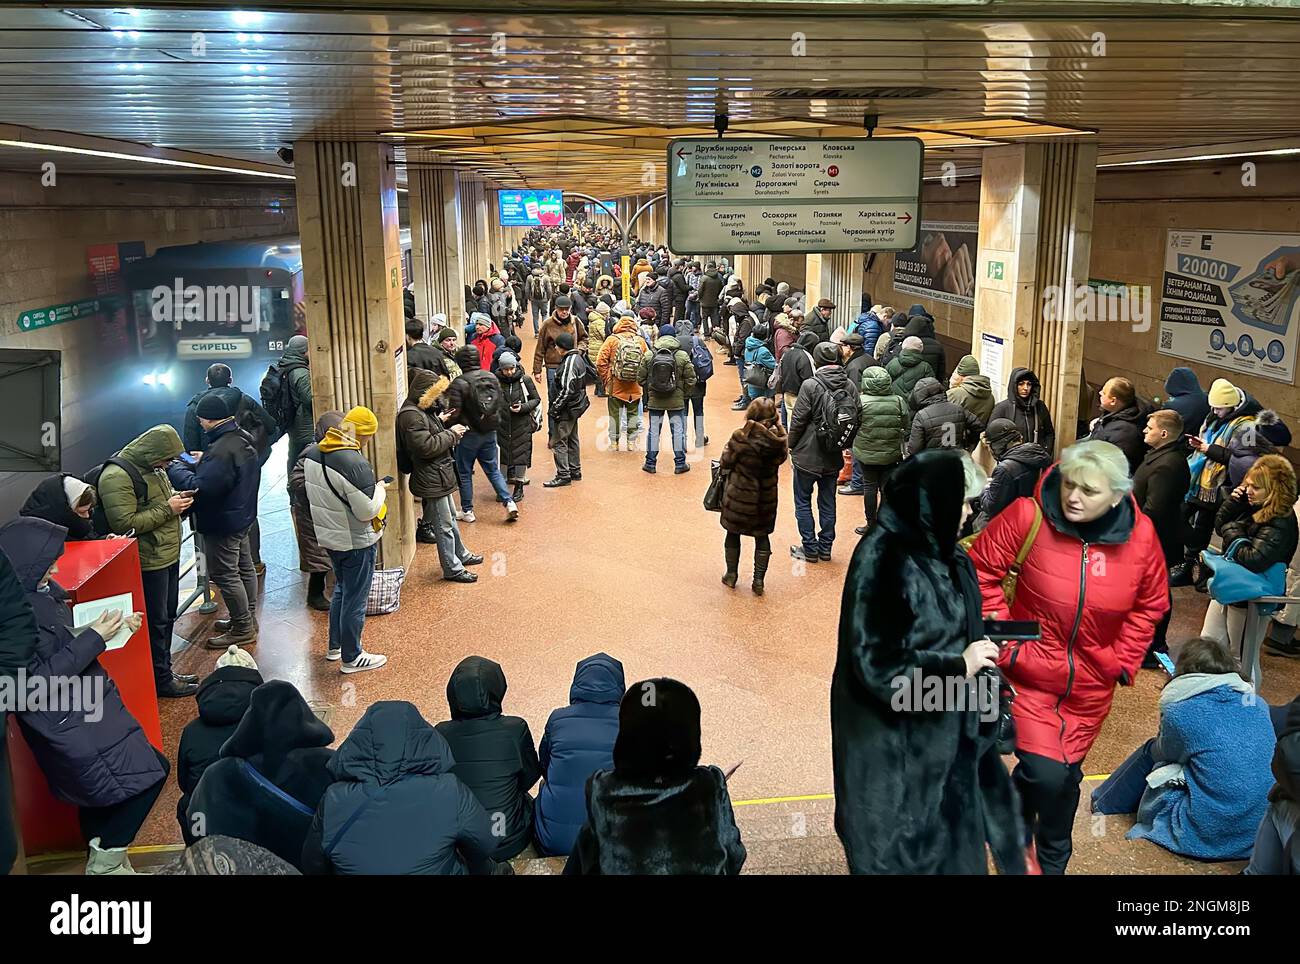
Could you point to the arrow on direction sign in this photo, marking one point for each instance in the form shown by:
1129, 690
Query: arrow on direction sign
681, 155
905, 218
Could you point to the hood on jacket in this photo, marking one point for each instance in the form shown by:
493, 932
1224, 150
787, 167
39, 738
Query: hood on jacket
32, 546
278, 720
921, 325
928, 391
476, 688
669, 341
1029, 454
597, 679
52, 498
807, 340
419, 381
326, 422
336, 439
1183, 381
923, 501
626, 326
224, 694
875, 381
295, 354
604, 281
919, 310
752, 343
154, 445
1113, 528
391, 741
657, 738
1017, 375
910, 358
976, 386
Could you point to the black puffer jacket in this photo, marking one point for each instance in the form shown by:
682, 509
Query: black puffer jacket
515, 436
495, 755
1269, 542
1160, 486
922, 325
1124, 429
427, 442
48, 501
1029, 414
796, 365
655, 293
940, 423
806, 451
710, 289
222, 698
463, 398
1015, 475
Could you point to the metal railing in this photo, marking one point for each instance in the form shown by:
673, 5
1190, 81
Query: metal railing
202, 588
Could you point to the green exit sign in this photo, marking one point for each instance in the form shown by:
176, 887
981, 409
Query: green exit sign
57, 314
995, 270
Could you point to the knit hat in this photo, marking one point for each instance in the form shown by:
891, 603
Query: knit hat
1267, 423
508, 360
826, 354
234, 656
445, 333
296, 343
968, 365
667, 331
468, 358
808, 340
363, 420
912, 343
598, 309
565, 340
1000, 434
648, 313
212, 407
1224, 394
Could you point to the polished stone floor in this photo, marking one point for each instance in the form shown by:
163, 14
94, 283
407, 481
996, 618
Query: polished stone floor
629, 564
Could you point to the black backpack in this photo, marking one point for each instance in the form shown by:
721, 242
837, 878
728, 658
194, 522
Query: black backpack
277, 395
838, 416
97, 517
663, 371
404, 463
487, 396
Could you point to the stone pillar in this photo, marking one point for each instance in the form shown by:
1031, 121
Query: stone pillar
839, 278
435, 246
1035, 242
472, 219
352, 272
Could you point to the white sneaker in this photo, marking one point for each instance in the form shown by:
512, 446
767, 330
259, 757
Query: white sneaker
110, 860
462, 516
334, 655
363, 662
512, 511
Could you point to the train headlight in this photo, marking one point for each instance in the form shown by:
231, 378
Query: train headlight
149, 379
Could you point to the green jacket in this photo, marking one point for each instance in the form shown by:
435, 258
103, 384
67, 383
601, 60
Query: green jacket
302, 432
157, 529
886, 419
685, 377
975, 394
906, 370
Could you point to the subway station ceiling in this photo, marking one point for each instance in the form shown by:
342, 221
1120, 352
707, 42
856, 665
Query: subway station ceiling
566, 96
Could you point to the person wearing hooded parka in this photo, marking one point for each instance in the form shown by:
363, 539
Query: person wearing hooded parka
66, 501
271, 775
658, 811
1029, 412
494, 754
395, 806
578, 741
96, 758
919, 791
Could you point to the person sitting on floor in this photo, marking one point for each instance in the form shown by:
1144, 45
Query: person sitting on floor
494, 755
1200, 788
1279, 832
66, 501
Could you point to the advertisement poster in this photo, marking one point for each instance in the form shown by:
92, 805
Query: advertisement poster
1232, 299
942, 264
530, 208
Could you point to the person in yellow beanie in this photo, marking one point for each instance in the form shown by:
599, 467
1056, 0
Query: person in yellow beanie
347, 511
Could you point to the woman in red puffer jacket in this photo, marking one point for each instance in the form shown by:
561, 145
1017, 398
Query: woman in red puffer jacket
1095, 581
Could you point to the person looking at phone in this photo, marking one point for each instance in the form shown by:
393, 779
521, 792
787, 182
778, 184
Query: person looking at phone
1093, 577
142, 502
224, 479
910, 613
347, 512
96, 757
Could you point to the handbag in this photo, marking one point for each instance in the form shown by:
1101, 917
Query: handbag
537, 412
385, 592
1234, 583
717, 487
1012, 578
756, 376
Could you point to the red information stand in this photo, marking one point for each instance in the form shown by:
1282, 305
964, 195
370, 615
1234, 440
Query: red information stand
88, 571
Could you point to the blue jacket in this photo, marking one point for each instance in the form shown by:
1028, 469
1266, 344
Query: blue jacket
1188, 399
579, 740
226, 480
757, 353
1222, 736
869, 327
95, 756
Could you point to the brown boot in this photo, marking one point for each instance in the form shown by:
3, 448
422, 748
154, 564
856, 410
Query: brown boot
236, 635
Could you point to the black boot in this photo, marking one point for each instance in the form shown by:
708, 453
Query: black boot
732, 555
1183, 574
761, 558
518, 494
424, 534
316, 592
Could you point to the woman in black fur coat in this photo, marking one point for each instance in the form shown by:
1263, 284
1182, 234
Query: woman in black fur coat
919, 785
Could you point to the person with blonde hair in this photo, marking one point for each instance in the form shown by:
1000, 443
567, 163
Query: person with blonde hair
1081, 560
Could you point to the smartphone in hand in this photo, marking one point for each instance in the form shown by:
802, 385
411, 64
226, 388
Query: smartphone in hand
387, 480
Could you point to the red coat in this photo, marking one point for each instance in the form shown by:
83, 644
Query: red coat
1097, 613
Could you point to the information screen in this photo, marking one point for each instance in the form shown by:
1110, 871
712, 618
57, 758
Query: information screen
530, 208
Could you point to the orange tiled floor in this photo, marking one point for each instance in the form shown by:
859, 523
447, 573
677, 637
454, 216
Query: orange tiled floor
629, 563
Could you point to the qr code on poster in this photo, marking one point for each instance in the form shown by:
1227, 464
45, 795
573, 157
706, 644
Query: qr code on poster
1166, 338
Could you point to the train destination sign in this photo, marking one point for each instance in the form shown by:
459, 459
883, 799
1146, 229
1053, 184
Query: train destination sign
793, 196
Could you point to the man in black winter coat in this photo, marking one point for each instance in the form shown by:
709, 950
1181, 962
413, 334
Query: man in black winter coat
1160, 487
710, 294
856, 359
418, 353
17, 646
680, 288
1122, 420
248, 412
743, 320
921, 324
224, 482
940, 423
1020, 465
815, 466
795, 368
